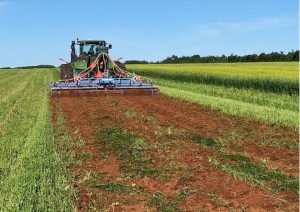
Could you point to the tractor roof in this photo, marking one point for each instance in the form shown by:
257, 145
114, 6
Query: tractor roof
92, 42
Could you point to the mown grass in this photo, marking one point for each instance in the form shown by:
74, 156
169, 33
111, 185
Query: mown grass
129, 149
33, 174
113, 187
272, 77
243, 167
269, 114
258, 174
207, 142
257, 98
163, 202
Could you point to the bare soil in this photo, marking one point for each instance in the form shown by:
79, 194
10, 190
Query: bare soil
185, 179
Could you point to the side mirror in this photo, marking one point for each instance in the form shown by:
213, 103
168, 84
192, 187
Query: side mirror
109, 46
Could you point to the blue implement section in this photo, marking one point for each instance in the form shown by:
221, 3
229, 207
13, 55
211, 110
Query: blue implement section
102, 83
103, 86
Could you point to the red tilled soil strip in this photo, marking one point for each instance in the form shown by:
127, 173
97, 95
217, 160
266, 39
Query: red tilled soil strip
87, 113
197, 119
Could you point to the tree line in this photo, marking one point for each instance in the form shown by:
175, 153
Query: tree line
263, 57
30, 67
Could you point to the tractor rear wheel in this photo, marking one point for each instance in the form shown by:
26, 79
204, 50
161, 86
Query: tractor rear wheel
120, 65
65, 72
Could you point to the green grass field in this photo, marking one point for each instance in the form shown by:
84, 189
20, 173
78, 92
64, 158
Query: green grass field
264, 91
36, 150
32, 173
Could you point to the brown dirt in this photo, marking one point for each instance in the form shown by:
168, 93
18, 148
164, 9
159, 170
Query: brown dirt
207, 186
195, 119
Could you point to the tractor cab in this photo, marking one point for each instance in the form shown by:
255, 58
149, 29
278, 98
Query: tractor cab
83, 52
90, 47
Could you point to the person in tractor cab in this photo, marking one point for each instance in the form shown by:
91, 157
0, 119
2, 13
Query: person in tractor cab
98, 50
91, 50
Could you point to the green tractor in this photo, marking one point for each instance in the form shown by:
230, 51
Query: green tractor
93, 72
83, 53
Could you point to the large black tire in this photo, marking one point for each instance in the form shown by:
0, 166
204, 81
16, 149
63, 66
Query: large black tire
66, 72
120, 65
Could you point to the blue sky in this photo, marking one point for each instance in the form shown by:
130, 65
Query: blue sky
38, 32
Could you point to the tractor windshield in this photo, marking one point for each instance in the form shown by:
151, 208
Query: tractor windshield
90, 49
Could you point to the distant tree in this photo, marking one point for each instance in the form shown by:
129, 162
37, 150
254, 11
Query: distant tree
232, 58
263, 57
136, 62
296, 56
289, 56
37, 66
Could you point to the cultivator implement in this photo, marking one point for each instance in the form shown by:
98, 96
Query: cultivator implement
103, 86
96, 74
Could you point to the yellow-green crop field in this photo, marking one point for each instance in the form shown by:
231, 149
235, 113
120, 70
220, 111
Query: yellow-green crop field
264, 91
269, 70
